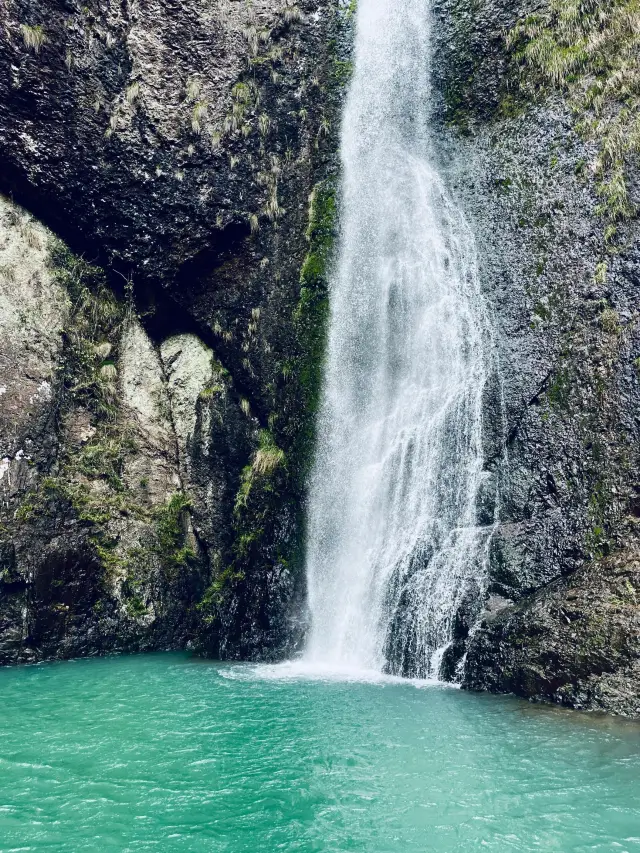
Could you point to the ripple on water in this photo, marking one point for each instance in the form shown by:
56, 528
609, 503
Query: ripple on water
163, 752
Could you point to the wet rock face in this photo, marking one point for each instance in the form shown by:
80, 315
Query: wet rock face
177, 144
575, 643
561, 426
174, 147
119, 121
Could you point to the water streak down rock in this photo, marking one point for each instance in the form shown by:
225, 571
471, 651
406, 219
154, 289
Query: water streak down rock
395, 547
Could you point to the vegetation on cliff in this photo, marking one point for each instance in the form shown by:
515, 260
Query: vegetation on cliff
268, 515
589, 48
129, 549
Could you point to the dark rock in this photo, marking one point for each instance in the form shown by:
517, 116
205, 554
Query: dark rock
176, 146
575, 642
562, 440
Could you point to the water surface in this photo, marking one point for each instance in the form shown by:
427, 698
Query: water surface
167, 753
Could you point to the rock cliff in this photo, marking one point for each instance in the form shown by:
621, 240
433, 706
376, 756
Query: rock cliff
163, 327
532, 158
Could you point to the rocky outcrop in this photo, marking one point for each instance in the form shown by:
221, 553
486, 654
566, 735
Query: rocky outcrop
575, 642
141, 128
34, 310
162, 398
96, 551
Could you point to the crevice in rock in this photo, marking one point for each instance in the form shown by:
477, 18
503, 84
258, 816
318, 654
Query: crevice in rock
160, 314
17, 188
200, 541
162, 317
223, 245
533, 400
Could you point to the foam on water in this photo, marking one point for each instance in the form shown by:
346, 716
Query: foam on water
304, 670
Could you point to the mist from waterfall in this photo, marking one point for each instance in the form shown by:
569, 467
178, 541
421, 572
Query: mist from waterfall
393, 547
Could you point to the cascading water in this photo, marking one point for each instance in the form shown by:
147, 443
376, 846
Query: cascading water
394, 548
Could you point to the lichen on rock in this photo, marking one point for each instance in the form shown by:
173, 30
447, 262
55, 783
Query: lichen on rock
93, 477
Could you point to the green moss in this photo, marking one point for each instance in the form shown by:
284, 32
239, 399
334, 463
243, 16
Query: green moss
170, 528
210, 392
113, 563
94, 328
265, 461
272, 481
89, 477
214, 597
135, 605
132, 585
262, 497
559, 393
511, 105
91, 506
164, 547
348, 10
26, 510
341, 72
597, 539
600, 275
542, 310
219, 382
104, 459
610, 321
311, 315
88, 481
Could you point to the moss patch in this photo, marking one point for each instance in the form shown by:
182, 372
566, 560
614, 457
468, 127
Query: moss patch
311, 316
261, 501
87, 482
268, 510
170, 534
92, 335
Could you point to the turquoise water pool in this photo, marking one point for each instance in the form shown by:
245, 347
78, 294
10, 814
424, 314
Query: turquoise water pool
169, 753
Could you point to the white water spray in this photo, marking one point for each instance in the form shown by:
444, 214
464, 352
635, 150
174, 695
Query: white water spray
394, 547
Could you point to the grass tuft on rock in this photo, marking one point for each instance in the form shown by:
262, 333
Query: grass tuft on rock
590, 49
33, 37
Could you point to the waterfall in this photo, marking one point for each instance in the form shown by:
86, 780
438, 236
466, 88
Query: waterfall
394, 547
